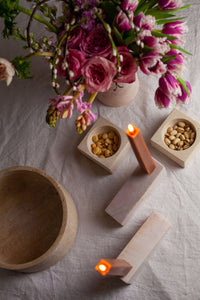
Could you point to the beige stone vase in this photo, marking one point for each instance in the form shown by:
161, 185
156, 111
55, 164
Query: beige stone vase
121, 95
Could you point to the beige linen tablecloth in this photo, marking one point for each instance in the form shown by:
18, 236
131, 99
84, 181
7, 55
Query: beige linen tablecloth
172, 272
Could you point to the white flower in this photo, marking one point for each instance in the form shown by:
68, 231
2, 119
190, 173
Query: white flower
7, 70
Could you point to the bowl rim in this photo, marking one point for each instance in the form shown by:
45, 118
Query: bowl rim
56, 242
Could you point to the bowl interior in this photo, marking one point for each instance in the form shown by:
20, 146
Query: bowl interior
30, 216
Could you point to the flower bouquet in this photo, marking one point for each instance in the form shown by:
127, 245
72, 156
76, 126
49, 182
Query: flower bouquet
94, 44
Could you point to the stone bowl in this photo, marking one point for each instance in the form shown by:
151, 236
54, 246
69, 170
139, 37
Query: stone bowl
38, 220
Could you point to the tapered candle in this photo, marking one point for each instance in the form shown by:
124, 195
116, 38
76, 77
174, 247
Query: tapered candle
140, 149
113, 267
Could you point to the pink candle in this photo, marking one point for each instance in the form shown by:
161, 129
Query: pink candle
140, 149
113, 267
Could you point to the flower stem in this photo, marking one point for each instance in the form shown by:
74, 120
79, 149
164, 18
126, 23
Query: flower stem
68, 91
81, 88
92, 97
108, 30
38, 18
37, 54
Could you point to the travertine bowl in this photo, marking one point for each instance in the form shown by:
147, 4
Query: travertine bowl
38, 220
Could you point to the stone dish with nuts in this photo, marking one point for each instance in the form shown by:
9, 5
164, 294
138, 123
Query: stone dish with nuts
105, 144
180, 136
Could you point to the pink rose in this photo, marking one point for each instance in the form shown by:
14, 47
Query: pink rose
7, 70
75, 60
98, 73
76, 36
96, 43
128, 66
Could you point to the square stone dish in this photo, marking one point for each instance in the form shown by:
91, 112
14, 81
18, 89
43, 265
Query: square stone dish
102, 126
180, 157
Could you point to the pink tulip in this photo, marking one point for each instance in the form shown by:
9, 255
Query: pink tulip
169, 4
175, 65
129, 5
151, 64
122, 22
170, 86
145, 22
184, 96
177, 30
161, 99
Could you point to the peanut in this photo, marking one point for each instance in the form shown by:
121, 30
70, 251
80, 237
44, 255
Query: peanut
105, 144
180, 136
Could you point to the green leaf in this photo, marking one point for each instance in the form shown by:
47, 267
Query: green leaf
165, 21
168, 58
160, 14
182, 82
130, 37
162, 35
172, 46
118, 35
139, 7
152, 3
180, 8
8, 11
109, 9
145, 6
22, 67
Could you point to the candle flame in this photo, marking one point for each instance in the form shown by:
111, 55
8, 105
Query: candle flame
103, 267
131, 128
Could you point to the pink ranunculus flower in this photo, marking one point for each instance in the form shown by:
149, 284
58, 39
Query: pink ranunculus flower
98, 73
169, 4
122, 22
128, 66
151, 64
7, 70
96, 42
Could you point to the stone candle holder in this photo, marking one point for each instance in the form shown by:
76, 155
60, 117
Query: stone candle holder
129, 262
180, 157
109, 163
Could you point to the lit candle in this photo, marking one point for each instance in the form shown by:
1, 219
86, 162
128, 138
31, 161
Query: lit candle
113, 267
140, 149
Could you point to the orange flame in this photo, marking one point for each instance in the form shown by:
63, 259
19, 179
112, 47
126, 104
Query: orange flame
103, 267
131, 128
